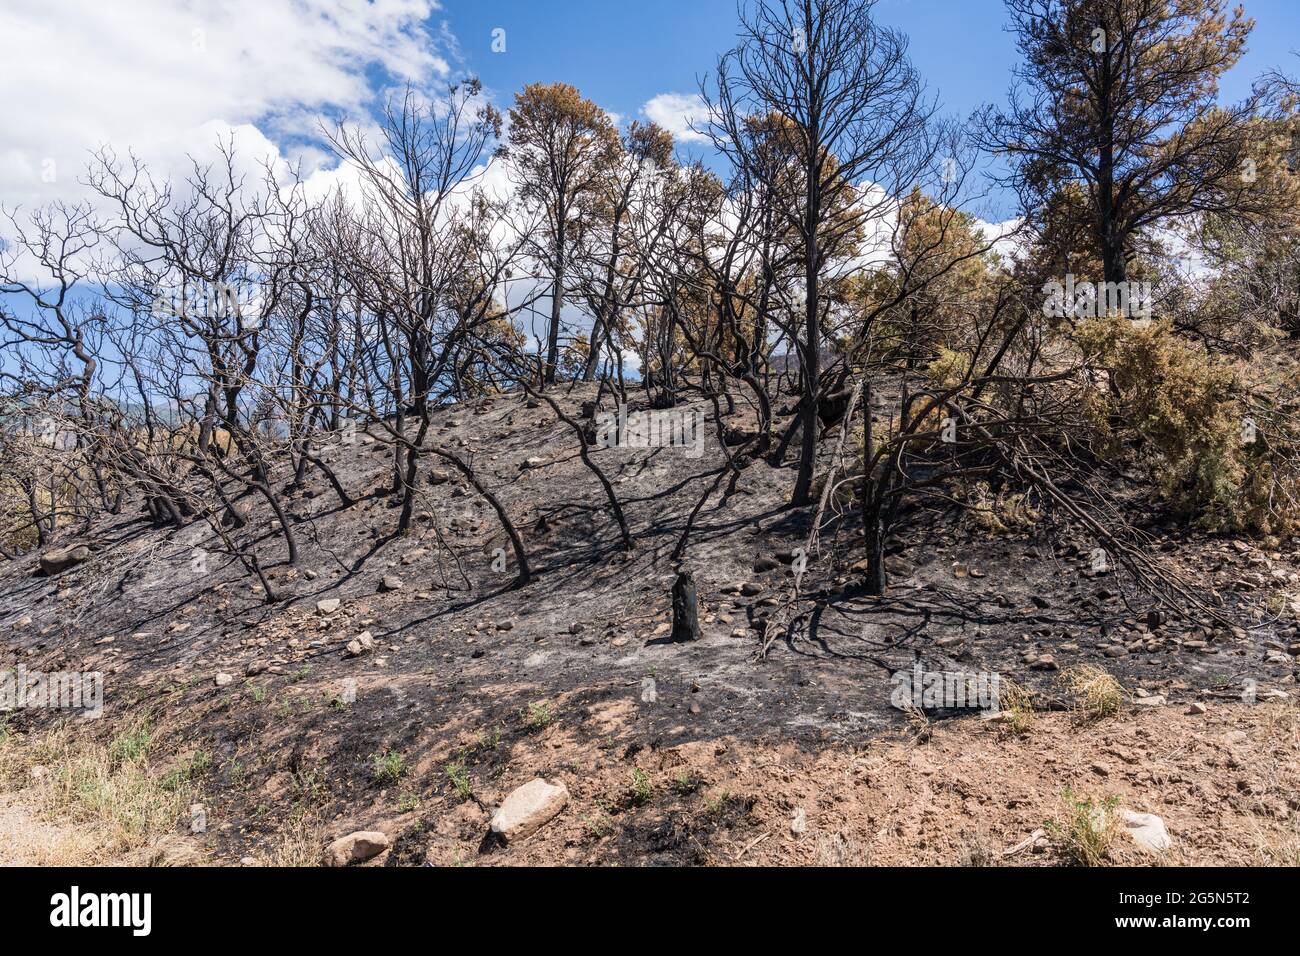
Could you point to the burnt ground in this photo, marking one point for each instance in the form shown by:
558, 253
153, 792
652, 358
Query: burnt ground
480, 686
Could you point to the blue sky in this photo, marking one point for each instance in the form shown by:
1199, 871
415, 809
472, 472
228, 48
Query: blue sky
624, 53
169, 78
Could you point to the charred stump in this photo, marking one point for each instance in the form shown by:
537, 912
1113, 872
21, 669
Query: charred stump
686, 611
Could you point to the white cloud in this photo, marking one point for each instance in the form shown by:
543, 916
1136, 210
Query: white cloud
168, 77
677, 112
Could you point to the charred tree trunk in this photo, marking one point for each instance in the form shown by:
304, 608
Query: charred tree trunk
686, 610
873, 532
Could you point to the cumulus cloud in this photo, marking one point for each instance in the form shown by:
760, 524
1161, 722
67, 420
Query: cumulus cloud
169, 77
677, 112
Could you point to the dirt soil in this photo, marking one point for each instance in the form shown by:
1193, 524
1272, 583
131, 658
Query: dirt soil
672, 753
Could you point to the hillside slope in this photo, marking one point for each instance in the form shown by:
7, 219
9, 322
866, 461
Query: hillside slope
435, 687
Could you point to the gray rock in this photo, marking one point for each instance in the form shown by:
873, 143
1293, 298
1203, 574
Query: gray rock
528, 809
328, 605
391, 582
60, 559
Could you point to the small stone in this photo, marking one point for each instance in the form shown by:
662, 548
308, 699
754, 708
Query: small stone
898, 567
22, 622
577, 627
528, 809
328, 605
1147, 830
1196, 708
224, 680
391, 582
799, 821
60, 559
1156, 701
356, 848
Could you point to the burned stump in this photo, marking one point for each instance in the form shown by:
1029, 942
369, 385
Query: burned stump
686, 612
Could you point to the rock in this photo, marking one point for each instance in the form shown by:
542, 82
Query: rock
799, 821
254, 668
532, 463
412, 556
237, 515
1045, 663
391, 582
363, 642
763, 565
751, 589
1157, 701
328, 605
356, 848
439, 476
577, 627
897, 567
22, 622
528, 809
1197, 708
1147, 830
505, 625
224, 680
60, 559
